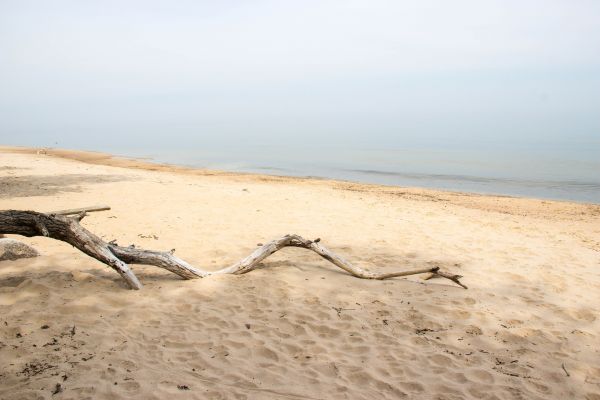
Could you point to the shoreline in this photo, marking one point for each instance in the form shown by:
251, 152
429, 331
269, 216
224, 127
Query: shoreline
122, 161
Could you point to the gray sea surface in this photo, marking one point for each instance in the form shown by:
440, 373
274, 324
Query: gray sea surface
549, 174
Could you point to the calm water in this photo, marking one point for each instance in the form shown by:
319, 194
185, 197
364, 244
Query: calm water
543, 174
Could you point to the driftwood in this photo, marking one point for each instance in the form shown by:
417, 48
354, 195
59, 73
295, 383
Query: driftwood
72, 211
68, 229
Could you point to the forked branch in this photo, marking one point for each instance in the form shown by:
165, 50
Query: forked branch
68, 229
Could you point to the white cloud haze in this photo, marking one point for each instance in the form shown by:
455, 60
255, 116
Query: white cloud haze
361, 73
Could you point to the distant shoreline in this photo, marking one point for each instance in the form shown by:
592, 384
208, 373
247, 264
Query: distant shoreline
149, 164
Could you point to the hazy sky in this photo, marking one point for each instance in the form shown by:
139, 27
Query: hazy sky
360, 73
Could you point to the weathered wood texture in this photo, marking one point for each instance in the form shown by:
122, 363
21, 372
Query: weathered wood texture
68, 229
72, 211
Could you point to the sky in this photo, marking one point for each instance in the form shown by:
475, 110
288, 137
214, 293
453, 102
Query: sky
380, 74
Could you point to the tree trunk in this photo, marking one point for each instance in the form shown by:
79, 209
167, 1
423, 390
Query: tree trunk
68, 229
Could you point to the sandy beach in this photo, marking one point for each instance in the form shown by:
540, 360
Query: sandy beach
528, 327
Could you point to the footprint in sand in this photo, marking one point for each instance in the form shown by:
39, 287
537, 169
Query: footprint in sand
441, 360
482, 376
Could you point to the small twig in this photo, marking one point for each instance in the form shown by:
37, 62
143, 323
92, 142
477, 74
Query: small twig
564, 369
79, 210
453, 278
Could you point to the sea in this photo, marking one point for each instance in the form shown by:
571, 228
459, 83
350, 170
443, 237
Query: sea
557, 174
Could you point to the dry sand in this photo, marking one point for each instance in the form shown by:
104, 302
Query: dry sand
527, 327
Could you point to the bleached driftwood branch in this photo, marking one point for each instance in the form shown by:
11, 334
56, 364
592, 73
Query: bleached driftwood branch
68, 229
72, 211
